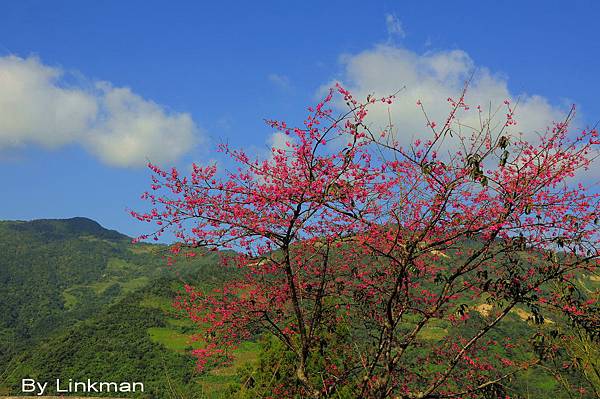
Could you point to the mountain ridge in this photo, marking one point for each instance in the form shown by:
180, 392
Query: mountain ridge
65, 228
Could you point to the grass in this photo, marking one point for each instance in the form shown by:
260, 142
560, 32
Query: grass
218, 379
433, 333
157, 302
172, 339
181, 323
101, 286
246, 353
119, 266
142, 248
70, 299
91, 238
134, 284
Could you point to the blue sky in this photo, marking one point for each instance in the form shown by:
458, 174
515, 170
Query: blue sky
92, 89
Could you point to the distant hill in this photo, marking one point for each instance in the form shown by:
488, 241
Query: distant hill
73, 290
61, 229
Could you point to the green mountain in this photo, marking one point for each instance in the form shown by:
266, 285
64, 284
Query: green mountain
80, 301
56, 272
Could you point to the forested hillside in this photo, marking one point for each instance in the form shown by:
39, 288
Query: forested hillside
82, 301
56, 272
79, 301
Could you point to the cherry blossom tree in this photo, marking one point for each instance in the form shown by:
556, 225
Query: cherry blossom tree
389, 270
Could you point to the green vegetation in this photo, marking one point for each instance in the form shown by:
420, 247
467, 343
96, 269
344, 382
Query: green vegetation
172, 339
113, 346
79, 301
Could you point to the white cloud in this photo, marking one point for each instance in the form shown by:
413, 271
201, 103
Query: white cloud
135, 130
115, 124
394, 26
432, 78
281, 81
34, 108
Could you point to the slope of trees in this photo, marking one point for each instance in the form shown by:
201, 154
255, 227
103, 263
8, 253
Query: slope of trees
42, 259
112, 346
71, 304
